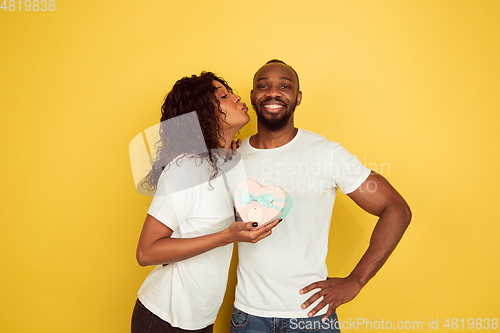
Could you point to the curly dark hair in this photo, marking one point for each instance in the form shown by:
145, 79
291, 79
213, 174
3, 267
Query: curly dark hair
182, 137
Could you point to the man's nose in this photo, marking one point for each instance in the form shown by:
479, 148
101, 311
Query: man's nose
273, 91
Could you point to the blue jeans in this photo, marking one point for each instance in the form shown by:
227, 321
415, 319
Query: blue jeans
242, 322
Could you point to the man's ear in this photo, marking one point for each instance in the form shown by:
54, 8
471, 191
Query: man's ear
299, 97
251, 96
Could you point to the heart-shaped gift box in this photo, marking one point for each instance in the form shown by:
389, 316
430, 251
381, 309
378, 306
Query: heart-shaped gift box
261, 204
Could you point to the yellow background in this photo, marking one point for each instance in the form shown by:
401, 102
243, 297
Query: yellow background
411, 87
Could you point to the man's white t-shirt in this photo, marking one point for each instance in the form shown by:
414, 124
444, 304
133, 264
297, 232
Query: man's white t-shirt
188, 293
271, 272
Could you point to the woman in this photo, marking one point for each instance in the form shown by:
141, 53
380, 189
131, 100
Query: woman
189, 230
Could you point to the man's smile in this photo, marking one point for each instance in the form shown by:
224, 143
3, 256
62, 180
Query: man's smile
273, 106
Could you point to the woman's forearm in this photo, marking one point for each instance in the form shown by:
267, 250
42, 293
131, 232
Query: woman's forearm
157, 247
168, 250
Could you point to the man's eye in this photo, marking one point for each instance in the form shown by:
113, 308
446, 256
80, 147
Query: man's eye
263, 86
285, 86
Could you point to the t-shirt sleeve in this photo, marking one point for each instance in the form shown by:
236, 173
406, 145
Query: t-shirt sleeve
172, 203
347, 171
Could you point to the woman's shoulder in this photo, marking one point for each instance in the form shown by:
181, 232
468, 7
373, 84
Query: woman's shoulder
188, 170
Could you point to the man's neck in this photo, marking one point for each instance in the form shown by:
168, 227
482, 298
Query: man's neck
266, 139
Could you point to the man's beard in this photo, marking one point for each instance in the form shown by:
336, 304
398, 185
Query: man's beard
276, 121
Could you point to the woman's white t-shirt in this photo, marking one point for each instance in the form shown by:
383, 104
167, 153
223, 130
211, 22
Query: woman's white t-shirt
188, 293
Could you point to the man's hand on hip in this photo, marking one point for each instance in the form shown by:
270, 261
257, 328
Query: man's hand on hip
335, 292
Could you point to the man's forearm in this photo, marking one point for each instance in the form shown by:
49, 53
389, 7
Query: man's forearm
394, 217
386, 235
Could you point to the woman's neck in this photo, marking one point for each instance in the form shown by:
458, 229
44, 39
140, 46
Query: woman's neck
228, 137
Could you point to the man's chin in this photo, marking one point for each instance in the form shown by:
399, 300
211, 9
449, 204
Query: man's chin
273, 123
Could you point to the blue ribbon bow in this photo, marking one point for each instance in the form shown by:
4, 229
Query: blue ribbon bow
265, 199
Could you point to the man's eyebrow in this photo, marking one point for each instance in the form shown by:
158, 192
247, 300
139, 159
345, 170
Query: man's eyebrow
281, 78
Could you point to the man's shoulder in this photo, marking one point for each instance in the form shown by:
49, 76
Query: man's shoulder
316, 140
305, 134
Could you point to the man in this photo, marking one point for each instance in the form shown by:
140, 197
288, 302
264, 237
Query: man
282, 280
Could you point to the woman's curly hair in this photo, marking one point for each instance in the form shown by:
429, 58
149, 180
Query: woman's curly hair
181, 137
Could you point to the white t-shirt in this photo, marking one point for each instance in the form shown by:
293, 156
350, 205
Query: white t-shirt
271, 272
188, 293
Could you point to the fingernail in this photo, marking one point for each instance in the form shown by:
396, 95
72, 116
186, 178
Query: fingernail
303, 306
324, 319
301, 291
280, 220
255, 224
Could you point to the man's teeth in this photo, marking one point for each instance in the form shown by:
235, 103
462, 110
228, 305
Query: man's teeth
273, 106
